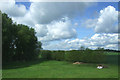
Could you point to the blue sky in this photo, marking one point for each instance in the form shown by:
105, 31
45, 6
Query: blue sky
69, 24
27, 4
91, 12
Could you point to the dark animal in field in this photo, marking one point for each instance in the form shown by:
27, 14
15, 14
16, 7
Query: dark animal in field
103, 66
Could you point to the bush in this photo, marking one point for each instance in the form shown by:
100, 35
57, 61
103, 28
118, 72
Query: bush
53, 55
73, 56
98, 56
85, 56
45, 54
58, 55
90, 56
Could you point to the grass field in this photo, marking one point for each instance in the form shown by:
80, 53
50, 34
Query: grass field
112, 53
58, 69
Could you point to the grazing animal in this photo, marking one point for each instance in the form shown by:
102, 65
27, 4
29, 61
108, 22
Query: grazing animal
105, 66
100, 66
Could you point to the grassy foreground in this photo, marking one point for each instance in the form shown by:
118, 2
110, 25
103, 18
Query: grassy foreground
59, 69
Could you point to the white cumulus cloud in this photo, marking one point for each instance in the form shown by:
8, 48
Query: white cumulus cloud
107, 22
56, 30
105, 40
12, 9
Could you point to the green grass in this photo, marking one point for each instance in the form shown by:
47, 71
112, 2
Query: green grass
112, 53
57, 69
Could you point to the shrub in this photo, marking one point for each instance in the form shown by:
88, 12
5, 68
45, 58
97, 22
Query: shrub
85, 56
45, 54
58, 55
91, 56
53, 55
73, 56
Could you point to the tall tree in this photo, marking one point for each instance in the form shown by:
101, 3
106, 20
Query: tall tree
18, 41
82, 48
7, 37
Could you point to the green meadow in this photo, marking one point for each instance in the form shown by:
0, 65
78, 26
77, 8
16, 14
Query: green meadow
58, 69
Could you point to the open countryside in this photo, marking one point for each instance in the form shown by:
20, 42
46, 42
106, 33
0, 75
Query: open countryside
59, 40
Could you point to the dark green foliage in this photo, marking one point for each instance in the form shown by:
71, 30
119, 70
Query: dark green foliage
82, 48
7, 37
91, 56
58, 55
25, 43
112, 59
46, 54
52, 55
73, 56
85, 56
94, 56
18, 41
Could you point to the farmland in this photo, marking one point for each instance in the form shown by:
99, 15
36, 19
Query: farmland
59, 69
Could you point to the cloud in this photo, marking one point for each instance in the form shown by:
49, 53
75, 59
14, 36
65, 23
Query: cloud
45, 12
27, 20
111, 46
107, 41
13, 10
76, 24
105, 38
53, 21
41, 30
90, 23
56, 30
48, 19
107, 22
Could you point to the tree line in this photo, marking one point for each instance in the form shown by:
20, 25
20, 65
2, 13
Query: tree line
19, 42
89, 56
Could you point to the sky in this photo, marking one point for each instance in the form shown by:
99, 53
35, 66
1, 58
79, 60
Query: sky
68, 25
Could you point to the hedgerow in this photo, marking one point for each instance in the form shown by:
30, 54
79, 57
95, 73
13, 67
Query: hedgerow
91, 56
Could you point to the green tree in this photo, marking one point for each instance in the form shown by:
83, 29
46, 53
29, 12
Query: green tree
82, 48
18, 41
99, 48
7, 37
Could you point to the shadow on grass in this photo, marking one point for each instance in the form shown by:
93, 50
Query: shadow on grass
111, 59
20, 64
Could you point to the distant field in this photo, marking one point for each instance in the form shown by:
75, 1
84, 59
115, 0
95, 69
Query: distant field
112, 53
58, 69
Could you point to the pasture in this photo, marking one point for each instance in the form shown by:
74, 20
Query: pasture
58, 69
43, 68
